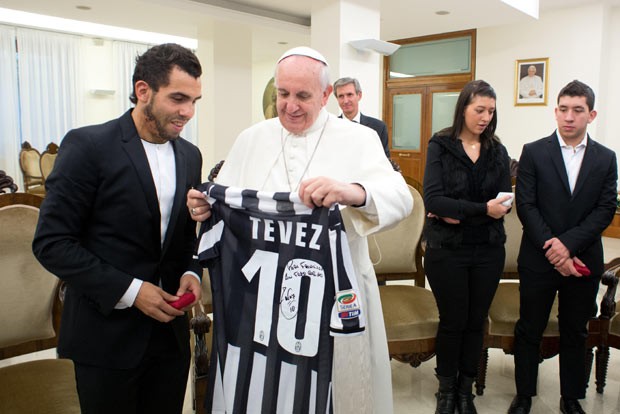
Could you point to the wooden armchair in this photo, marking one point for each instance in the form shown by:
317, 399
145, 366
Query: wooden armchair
410, 312
48, 158
30, 318
6, 183
609, 324
29, 162
201, 339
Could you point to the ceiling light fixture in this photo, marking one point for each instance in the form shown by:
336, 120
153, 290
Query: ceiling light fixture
442, 12
40, 21
376, 45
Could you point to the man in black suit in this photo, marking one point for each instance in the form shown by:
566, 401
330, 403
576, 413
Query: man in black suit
115, 229
349, 92
566, 197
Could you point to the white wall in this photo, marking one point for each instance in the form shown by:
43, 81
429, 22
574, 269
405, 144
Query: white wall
262, 72
97, 55
571, 39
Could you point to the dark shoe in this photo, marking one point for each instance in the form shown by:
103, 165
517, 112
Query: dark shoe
446, 396
521, 404
568, 406
464, 398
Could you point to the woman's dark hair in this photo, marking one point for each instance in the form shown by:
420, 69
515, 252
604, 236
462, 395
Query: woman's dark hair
469, 91
155, 65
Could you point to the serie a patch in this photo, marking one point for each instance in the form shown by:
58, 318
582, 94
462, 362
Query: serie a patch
347, 303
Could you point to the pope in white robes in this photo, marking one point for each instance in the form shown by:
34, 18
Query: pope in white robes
328, 160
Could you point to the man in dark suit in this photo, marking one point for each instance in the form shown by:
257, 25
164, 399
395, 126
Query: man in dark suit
349, 92
566, 197
115, 229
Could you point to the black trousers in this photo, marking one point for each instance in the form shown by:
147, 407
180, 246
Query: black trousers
156, 386
464, 281
576, 297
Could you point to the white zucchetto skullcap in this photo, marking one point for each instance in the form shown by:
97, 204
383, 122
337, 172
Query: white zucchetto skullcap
304, 51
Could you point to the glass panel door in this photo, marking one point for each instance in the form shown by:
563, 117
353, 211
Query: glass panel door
443, 110
406, 121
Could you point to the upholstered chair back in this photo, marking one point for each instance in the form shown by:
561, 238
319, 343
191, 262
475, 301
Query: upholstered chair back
393, 251
28, 289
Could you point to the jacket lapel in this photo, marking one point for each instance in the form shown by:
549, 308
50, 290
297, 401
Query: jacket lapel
555, 152
132, 145
363, 120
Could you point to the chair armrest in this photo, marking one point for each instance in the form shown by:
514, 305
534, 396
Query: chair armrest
200, 323
608, 303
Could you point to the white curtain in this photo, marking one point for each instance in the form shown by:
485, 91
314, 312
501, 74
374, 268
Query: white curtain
50, 85
124, 60
9, 107
124, 56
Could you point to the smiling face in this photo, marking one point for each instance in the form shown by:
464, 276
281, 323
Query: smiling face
160, 116
478, 114
348, 100
573, 116
300, 95
531, 71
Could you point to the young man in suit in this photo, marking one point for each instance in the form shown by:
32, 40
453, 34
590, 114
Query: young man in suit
566, 197
115, 229
348, 92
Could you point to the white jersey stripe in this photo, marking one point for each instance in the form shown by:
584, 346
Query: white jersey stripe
211, 237
286, 388
219, 405
230, 375
312, 405
257, 382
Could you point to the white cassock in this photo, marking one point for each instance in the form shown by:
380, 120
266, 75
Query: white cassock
528, 83
268, 157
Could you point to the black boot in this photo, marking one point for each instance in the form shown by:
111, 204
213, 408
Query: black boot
446, 396
465, 399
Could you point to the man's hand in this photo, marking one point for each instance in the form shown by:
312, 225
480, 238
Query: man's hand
189, 283
325, 192
556, 252
197, 204
568, 267
153, 301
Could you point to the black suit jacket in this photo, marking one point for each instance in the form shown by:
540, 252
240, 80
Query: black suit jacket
379, 127
547, 208
99, 227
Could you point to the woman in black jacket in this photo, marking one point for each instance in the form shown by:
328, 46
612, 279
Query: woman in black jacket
466, 168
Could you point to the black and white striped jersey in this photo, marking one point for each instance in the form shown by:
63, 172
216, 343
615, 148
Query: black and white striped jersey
283, 283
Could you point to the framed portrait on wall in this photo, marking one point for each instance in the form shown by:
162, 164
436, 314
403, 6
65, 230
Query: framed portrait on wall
531, 79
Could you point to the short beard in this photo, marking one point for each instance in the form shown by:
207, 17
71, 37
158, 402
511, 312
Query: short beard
161, 131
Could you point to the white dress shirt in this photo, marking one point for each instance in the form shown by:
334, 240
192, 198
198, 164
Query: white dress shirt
573, 157
163, 169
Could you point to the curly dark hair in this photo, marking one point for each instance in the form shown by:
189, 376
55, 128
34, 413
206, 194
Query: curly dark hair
155, 65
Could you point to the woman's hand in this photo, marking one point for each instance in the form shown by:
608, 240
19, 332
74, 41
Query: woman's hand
448, 220
496, 209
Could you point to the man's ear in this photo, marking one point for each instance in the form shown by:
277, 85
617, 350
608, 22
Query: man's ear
592, 116
143, 91
326, 93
